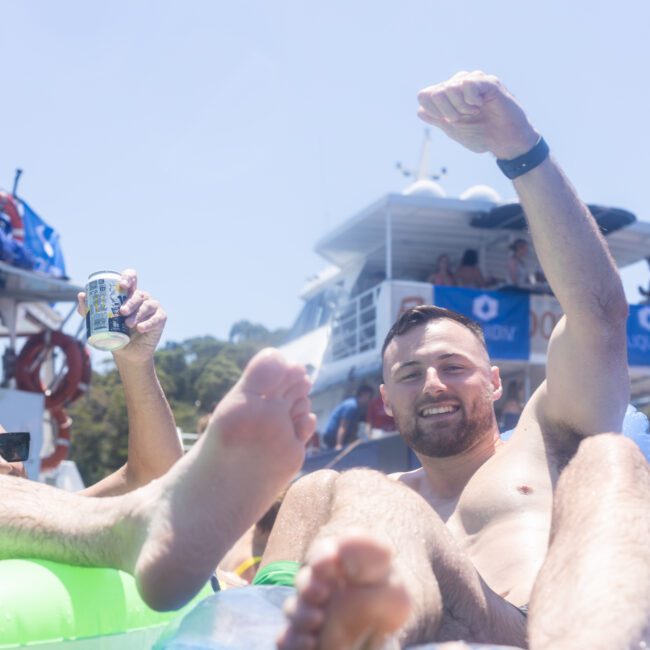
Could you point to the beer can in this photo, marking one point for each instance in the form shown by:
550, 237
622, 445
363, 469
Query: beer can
105, 327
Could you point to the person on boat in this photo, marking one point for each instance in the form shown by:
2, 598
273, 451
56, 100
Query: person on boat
343, 425
244, 557
511, 411
172, 532
538, 542
442, 275
468, 273
517, 269
377, 418
154, 445
645, 293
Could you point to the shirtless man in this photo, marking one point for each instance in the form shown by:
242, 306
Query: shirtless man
557, 520
153, 443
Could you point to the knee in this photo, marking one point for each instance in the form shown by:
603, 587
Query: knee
362, 477
314, 485
608, 450
608, 458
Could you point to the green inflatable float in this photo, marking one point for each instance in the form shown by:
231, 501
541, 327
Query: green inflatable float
46, 605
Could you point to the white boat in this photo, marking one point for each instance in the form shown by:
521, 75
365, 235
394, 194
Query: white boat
378, 264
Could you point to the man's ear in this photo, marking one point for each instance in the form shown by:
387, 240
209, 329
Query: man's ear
497, 386
387, 407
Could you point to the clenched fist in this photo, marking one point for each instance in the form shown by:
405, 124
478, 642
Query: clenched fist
476, 110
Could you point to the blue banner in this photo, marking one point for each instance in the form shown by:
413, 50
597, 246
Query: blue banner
638, 335
503, 315
42, 241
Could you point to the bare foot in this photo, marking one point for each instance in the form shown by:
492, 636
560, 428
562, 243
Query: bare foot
253, 446
348, 598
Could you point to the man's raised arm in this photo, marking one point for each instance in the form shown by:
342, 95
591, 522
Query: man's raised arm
587, 384
154, 445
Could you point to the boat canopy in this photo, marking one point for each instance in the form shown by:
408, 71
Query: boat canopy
511, 217
400, 236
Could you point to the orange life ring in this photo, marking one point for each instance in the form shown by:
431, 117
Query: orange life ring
63, 424
10, 208
34, 353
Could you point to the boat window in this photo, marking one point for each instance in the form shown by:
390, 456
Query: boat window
315, 313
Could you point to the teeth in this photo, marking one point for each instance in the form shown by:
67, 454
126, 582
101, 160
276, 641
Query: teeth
437, 410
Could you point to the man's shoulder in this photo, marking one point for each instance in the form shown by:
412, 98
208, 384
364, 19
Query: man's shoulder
349, 405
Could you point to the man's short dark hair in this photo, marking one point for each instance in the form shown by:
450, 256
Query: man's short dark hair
470, 257
364, 389
423, 314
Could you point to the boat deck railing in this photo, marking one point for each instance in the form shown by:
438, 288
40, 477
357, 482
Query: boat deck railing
354, 327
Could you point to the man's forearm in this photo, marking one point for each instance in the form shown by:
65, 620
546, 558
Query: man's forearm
340, 435
154, 444
569, 245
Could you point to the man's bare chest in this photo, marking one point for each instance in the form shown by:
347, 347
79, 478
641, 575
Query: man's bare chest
506, 493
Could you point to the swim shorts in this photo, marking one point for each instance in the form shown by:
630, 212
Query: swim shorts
281, 573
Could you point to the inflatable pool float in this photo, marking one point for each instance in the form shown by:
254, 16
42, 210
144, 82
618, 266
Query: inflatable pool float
246, 618
50, 606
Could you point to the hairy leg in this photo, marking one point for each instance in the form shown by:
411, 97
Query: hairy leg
448, 600
172, 533
593, 590
37, 520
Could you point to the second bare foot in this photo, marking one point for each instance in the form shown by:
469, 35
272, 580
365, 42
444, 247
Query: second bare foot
349, 597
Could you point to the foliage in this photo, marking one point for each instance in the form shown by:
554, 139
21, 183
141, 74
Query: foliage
195, 374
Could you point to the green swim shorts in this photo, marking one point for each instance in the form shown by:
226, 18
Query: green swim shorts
281, 573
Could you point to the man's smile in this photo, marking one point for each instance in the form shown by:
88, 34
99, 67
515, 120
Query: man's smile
436, 410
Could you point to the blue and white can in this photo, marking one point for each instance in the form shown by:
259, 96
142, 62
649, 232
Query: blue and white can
105, 328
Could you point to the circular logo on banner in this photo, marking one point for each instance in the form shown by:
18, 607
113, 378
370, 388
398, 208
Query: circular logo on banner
486, 308
644, 317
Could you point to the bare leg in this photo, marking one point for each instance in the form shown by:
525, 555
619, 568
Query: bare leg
172, 533
593, 590
448, 600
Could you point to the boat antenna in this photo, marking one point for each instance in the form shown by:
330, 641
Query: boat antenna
422, 172
16, 179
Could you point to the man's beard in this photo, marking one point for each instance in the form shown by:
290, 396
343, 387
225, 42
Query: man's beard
446, 439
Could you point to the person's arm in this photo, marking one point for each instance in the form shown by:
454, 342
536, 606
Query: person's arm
587, 386
340, 433
512, 271
154, 445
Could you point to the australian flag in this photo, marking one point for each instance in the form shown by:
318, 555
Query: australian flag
43, 242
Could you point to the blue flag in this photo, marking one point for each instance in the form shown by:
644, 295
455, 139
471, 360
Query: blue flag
638, 335
42, 241
503, 315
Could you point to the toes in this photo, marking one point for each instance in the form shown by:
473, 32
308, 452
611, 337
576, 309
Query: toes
265, 373
303, 616
311, 588
304, 426
323, 561
297, 384
301, 406
365, 561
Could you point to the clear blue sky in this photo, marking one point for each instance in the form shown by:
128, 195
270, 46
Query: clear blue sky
210, 144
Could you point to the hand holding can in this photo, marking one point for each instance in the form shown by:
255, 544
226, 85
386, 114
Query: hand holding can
141, 317
106, 328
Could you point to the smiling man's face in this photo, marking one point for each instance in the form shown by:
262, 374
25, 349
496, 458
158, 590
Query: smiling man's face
440, 388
